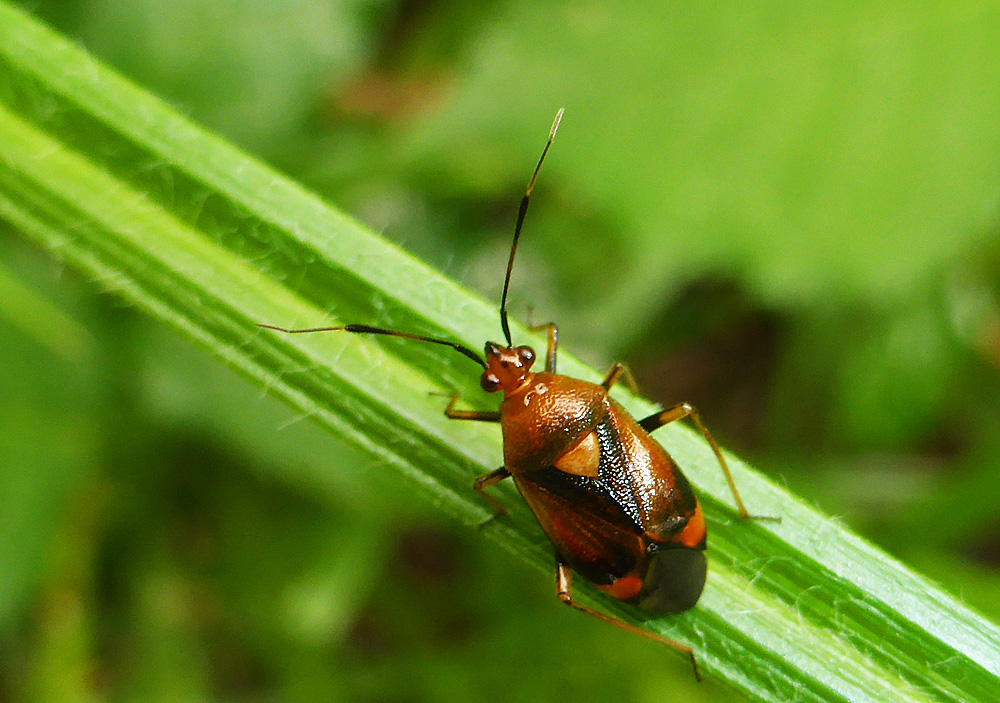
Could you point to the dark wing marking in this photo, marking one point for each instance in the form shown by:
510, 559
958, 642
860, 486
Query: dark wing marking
613, 472
643, 478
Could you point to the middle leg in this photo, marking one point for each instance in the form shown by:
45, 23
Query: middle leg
484, 482
682, 410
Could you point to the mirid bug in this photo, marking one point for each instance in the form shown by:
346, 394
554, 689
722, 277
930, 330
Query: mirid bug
612, 501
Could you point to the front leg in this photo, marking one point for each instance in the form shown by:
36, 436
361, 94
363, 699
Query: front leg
553, 343
620, 370
479, 415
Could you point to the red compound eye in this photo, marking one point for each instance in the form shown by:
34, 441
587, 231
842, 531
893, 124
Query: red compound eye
489, 382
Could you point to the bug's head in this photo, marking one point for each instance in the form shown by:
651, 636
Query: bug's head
507, 368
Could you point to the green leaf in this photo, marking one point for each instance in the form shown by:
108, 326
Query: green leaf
210, 241
269, 60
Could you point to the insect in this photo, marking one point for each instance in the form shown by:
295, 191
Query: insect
612, 501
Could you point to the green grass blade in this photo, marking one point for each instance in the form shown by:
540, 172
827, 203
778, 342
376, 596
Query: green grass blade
200, 235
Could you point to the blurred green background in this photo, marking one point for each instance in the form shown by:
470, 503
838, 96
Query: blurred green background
787, 218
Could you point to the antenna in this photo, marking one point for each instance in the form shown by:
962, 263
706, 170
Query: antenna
521, 211
365, 329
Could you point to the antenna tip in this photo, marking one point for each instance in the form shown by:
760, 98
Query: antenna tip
555, 123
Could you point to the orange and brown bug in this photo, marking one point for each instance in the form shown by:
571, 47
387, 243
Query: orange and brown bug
612, 501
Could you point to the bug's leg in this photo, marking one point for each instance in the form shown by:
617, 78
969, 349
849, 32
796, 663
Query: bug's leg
484, 482
682, 410
550, 352
480, 415
564, 577
620, 370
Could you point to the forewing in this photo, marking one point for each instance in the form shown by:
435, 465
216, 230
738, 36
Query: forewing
642, 477
585, 523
